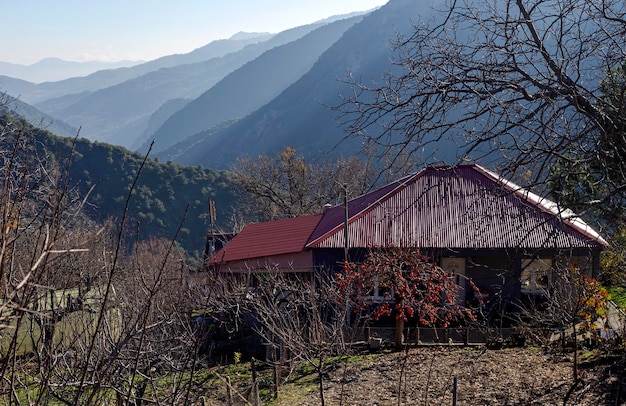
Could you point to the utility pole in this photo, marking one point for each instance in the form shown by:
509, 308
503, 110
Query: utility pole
209, 248
345, 224
346, 257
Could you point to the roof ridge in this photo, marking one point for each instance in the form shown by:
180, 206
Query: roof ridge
399, 184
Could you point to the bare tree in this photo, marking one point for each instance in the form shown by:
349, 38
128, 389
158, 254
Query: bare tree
521, 84
84, 321
572, 303
287, 185
297, 315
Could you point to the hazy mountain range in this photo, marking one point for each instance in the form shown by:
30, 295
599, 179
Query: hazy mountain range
250, 87
13, 106
300, 116
77, 86
55, 69
248, 94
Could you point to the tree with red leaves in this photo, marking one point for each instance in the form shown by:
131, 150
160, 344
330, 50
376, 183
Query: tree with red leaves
411, 286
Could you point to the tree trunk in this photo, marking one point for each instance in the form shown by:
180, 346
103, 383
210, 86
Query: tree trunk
575, 353
320, 374
399, 341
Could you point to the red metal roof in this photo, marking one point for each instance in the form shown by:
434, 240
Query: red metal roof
267, 239
464, 206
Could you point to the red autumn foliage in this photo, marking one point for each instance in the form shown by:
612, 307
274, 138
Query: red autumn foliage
412, 287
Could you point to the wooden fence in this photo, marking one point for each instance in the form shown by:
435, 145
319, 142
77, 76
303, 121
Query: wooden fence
449, 336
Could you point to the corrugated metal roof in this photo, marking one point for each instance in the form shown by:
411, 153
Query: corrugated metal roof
464, 206
334, 216
270, 238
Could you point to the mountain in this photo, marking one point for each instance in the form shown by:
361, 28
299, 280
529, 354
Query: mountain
249, 35
15, 107
156, 120
48, 91
251, 86
299, 116
103, 175
55, 69
16, 87
119, 114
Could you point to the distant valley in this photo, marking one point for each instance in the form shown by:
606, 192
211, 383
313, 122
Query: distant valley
248, 94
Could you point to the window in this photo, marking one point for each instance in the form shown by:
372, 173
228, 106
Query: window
456, 267
379, 294
536, 275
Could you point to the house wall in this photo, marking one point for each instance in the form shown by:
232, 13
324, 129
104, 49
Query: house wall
501, 272
495, 271
296, 262
330, 260
587, 264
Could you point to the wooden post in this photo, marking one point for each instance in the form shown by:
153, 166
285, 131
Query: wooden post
454, 389
399, 334
256, 400
417, 335
466, 336
229, 392
253, 367
275, 383
367, 333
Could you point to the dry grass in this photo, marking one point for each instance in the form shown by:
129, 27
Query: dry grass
503, 377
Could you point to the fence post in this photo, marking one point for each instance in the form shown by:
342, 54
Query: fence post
257, 396
417, 336
253, 367
454, 388
466, 336
275, 383
229, 392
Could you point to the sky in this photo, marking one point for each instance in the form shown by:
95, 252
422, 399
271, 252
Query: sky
114, 30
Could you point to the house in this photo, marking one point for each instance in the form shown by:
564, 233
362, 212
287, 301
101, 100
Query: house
466, 218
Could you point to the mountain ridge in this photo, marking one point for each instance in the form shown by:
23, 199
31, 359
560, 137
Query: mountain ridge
53, 69
299, 116
15, 107
164, 195
40, 93
239, 94
119, 114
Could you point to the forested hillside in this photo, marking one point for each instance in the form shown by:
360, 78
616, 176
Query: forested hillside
103, 174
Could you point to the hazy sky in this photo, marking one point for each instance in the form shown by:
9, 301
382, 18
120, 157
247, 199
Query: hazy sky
112, 30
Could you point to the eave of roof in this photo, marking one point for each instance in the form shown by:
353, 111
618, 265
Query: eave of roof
566, 215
